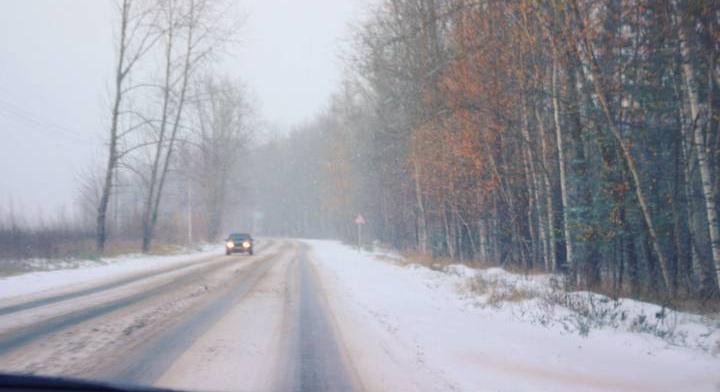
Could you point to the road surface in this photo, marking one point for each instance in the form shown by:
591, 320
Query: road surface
215, 323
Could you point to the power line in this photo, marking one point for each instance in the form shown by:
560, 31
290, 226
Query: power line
39, 123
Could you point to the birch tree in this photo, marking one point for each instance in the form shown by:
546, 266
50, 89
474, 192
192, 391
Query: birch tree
695, 125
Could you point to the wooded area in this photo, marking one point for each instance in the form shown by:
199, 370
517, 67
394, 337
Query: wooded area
579, 137
167, 103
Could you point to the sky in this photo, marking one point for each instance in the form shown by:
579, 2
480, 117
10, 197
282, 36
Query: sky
56, 62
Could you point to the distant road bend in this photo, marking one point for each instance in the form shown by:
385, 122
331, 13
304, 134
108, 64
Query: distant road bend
214, 323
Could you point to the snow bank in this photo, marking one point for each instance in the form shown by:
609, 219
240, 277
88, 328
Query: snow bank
83, 271
435, 332
539, 299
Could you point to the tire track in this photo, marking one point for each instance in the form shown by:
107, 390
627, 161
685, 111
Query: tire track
315, 357
105, 287
16, 339
147, 365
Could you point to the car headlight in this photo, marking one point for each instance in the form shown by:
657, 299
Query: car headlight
230, 244
246, 244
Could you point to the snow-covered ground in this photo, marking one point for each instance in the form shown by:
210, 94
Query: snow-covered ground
83, 271
400, 326
415, 328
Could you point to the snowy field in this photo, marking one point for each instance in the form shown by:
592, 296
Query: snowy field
411, 327
79, 272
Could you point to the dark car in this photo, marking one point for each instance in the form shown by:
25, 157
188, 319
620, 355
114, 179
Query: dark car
239, 243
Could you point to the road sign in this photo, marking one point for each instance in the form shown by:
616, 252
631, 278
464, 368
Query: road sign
359, 221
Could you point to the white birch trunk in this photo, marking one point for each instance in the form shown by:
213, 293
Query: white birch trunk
561, 162
699, 141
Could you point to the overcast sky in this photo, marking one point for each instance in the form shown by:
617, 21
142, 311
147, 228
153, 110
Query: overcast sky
56, 61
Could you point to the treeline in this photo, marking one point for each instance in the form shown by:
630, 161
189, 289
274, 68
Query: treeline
578, 137
57, 237
177, 135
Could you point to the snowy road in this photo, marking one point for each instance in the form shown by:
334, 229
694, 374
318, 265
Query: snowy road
319, 316
215, 323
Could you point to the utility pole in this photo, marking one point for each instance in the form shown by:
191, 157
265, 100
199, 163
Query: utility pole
116, 203
189, 210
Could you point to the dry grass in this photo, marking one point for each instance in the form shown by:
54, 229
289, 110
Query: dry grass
391, 260
434, 263
86, 249
498, 291
523, 270
682, 301
67, 254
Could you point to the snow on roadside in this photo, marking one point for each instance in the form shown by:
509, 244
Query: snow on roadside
84, 271
414, 328
539, 299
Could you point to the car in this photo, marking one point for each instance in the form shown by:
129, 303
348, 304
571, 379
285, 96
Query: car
239, 243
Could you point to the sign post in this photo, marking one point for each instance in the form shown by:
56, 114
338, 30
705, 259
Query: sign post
359, 222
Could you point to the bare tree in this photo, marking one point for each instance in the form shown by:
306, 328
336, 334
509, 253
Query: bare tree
136, 38
223, 131
204, 28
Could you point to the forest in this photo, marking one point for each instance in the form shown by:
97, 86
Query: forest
360, 195
577, 137
574, 137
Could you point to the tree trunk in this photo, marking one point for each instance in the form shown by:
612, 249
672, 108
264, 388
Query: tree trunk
449, 238
563, 176
422, 235
120, 73
688, 71
176, 126
534, 216
632, 167
551, 265
148, 227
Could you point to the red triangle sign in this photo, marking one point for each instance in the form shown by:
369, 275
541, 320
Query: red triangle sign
359, 220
